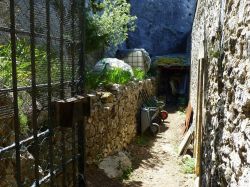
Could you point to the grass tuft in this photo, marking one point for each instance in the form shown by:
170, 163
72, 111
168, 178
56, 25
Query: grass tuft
188, 165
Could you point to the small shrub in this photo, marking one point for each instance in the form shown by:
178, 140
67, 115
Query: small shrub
139, 74
23, 118
188, 166
117, 76
114, 76
215, 54
142, 140
23, 66
127, 173
93, 80
108, 23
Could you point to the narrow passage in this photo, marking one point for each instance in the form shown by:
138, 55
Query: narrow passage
162, 167
155, 160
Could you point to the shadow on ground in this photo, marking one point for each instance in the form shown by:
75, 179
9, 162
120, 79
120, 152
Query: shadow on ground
141, 155
139, 151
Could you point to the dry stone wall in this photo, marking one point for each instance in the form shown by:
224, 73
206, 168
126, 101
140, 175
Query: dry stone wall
114, 118
223, 27
110, 128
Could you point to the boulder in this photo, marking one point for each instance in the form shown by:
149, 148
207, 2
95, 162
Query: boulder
110, 64
114, 166
137, 58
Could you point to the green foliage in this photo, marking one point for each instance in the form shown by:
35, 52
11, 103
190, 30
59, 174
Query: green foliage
22, 59
139, 74
188, 165
114, 76
117, 76
23, 65
23, 118
127, 173
215, 54
181, 110
142, 140
93, 80
170, 61
108, 23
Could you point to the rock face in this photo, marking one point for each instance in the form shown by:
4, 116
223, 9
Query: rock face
162, 25
226, 137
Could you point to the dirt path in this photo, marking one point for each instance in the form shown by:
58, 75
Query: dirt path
155, 161
162, 168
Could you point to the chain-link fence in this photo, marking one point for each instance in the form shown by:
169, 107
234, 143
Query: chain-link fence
41, 62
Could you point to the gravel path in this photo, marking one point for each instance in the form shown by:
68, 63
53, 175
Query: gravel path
162, 166
155, 160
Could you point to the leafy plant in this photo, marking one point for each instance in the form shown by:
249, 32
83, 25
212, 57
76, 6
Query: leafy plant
142, 140
181, 110
215, 54
23, 118
23, 65
108, 23
127, 173
112, 76
188, 165
139, 74
118, 76
93, 80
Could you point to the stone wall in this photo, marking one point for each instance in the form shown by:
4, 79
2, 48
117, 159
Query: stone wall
110, 128
113, 121
223, 27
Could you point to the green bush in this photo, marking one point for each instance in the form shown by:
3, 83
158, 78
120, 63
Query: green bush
108, 23
114, 76
23, 65
126, 173
117, 76
139, 74
92, 80
188, 166
23, 118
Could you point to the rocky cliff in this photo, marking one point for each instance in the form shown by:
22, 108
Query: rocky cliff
162, 26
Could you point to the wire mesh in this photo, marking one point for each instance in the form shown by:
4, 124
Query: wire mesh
40, 62
136, 58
